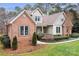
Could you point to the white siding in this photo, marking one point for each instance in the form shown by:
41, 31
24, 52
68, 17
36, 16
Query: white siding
38, 30
58, 23
49, 30
54, 30
59, 20
37, 13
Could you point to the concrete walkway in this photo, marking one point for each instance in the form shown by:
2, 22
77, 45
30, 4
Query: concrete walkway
75, 39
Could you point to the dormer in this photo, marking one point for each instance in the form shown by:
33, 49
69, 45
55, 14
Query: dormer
37, 15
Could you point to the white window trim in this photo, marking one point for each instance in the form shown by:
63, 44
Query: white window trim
37, 18
23, 31
58, 29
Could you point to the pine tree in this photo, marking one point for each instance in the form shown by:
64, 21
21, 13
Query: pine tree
34, 39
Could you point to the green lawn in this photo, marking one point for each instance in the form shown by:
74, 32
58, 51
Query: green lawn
66, 49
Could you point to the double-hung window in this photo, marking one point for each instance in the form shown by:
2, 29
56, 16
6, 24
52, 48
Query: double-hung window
37, 18
23, 30
57, 29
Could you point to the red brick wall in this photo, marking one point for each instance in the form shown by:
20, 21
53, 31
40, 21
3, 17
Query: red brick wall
21, 21
67, 30
67, 25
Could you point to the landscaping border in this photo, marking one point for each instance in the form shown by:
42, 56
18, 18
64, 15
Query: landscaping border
74, 39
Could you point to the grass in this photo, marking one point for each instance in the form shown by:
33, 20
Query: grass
66, 49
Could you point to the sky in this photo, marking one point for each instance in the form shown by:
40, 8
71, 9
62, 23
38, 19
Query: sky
11, 6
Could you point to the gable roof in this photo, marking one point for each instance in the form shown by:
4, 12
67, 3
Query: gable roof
10, 21
38, 10
29, 11
49, 20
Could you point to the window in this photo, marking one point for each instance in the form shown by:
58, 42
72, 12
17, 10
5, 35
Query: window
37, 18
26, 30
23, 30
57, 29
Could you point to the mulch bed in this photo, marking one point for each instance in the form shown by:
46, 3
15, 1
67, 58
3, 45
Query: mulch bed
26, 49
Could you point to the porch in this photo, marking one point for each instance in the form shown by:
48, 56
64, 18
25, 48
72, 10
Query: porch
44, 29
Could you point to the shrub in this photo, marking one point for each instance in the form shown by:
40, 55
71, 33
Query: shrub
14, 43
74, 35
60, 37
6, 41
34, 39
40, 35
1, 39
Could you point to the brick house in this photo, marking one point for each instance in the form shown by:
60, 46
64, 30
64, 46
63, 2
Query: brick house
22, 26
27, 22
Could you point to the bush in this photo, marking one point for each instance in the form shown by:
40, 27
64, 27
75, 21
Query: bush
34, 39
14, 43
6, 41
1, 39
39, 36
74, 35
60, 37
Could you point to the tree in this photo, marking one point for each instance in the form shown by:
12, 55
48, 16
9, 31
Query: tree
55, 8
2, 19
11, 14
14, 43
75, 21
34, 39
39, 5
70, 6
27, 6
17, 8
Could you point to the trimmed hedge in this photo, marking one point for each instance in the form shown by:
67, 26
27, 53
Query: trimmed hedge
74, 35
60, 37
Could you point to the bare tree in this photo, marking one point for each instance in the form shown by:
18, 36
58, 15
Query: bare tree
2, 19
